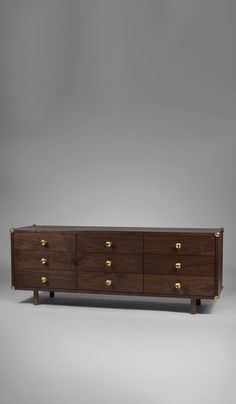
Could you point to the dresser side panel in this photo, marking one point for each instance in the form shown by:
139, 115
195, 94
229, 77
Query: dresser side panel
12, 260
219, 265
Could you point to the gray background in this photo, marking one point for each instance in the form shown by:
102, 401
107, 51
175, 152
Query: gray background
117, 112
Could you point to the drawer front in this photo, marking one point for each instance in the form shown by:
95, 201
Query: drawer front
181, 244
110, 263
46, 241
48, 260
179, 265
97, 282
110, 243
26, 278
187, 285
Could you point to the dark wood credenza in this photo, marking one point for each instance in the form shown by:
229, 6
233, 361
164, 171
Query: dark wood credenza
167, 262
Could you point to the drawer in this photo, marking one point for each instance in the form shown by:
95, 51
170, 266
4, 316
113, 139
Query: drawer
45, 259
100, 262
26, 278
97, 282
189, 285
181, 244
45, 241
110, 242
179, 265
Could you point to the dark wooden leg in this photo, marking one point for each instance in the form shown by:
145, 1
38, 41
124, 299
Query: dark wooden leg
36, 296
198, 301
51, 294
193, 306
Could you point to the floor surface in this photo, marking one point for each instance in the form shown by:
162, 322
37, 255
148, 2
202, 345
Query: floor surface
83, 349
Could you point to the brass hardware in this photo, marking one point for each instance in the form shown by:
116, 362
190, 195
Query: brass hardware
12, 230
177, 265
44, 261
108, 263
108, 244
216, 298
217, 234
178, 246
43, 243
44, 279
13, 287
177, 285
108, 282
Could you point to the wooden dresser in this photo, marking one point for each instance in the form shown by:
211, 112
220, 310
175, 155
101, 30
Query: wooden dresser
165, 262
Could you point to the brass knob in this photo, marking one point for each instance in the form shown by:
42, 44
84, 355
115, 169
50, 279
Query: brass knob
44, 261
177, 265
43, 243
178, 246
108, 263
108, 244
108, 282
177, 285
44, 279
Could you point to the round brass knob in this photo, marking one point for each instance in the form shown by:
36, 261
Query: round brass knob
178, 246
43, 243
108, 263
108, 244
44, 261
177, 265
177, 285
108, 282
44, 279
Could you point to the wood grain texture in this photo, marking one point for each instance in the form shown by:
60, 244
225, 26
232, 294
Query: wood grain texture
165, 285
190, 265
121, 243
190, 244
96, 262
94, 281
219, 265
101, 229
12, 260
27, 278
55, 241
56, 260
143, 261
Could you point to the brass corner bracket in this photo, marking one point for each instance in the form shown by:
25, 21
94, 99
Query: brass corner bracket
217, 234
12, 230
216, 298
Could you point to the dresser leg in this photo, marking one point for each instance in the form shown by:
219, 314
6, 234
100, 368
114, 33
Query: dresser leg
51, 294
36, 296
198, 301
193, 306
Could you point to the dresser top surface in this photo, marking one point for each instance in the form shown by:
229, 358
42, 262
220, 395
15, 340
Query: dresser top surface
42, 228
